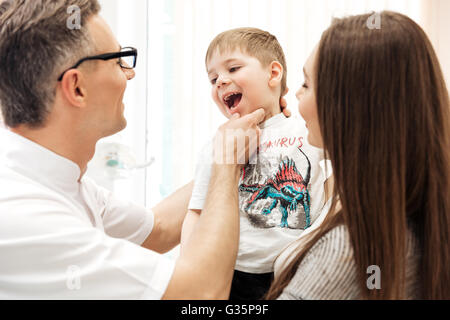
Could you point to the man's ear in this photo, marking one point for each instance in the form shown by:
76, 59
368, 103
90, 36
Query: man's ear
276, 74
73, 88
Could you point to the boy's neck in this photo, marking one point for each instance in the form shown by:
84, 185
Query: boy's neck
271, 112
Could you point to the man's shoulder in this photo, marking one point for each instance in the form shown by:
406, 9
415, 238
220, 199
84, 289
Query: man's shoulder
30, 207
13, 180
17, 187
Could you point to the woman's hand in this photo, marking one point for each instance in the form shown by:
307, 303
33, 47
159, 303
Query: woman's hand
283, 104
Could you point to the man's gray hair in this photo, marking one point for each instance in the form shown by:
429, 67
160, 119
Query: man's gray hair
36, 45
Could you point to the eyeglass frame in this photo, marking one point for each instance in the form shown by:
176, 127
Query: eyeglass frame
130, 51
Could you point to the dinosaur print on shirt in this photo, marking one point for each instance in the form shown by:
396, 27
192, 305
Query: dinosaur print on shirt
283, 194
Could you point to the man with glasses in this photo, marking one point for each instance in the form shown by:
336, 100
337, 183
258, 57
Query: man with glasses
127, 58
62, 236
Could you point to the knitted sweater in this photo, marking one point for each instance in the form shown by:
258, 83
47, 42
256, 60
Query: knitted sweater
328, 271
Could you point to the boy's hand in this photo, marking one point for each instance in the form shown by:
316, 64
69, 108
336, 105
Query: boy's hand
238, 139
283, 105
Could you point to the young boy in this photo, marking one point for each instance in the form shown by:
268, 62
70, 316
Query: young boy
282, 194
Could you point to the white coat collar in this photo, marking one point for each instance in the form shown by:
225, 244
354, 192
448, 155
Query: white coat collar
33, 160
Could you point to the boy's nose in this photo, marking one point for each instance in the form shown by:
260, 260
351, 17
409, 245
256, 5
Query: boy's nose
222, 81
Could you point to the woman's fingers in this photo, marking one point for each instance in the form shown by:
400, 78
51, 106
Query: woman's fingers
284, 104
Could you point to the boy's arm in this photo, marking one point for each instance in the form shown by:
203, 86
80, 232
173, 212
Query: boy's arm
189, 223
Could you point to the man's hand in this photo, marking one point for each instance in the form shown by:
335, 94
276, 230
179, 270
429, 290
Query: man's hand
204, 269
238, 139
283, 104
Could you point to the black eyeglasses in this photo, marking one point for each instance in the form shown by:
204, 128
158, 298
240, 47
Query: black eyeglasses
127, 59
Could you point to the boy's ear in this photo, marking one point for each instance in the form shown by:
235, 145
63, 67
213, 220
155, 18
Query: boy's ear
276, 74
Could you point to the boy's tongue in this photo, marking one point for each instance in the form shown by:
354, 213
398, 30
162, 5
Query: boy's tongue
237, 99
234, 101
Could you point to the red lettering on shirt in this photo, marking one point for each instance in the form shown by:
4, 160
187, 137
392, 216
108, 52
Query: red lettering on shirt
282, 143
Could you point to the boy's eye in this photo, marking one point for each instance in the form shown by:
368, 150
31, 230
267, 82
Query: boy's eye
213, 81
234, 69
305, 86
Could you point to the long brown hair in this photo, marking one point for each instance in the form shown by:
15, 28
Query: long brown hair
384, 113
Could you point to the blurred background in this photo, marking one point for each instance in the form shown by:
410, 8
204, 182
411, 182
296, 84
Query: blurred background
168, 105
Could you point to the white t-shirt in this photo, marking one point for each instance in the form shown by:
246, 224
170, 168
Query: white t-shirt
65, 239
279, 197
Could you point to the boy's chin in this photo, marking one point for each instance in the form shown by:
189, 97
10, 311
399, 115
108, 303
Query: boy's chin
242, 111
229, 113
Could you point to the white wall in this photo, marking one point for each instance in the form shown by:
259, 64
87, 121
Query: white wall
437, 26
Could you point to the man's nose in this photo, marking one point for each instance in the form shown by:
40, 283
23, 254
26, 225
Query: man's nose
130, 73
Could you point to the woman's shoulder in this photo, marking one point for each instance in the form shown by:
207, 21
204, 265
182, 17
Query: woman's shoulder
333, 248
328, 270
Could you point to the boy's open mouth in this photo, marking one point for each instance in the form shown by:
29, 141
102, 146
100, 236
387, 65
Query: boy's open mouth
232, 99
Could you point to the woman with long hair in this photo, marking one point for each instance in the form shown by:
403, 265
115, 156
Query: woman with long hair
375, 100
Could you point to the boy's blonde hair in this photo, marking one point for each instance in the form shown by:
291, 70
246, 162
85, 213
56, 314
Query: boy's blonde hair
255, 42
